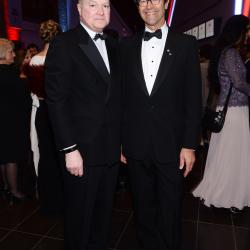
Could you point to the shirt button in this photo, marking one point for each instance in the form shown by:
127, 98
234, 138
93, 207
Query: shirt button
153, 47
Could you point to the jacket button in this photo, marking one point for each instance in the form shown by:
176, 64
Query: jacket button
152, 107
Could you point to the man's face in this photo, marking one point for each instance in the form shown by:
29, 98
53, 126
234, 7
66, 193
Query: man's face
153, 14
95, 14
33, 51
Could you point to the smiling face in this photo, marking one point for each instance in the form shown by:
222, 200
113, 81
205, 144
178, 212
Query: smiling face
95, 14
153, 14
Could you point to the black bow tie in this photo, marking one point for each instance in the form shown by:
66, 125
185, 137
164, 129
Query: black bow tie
100, 36
149, 35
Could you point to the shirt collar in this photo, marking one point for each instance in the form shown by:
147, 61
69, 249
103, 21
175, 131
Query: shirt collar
89, 31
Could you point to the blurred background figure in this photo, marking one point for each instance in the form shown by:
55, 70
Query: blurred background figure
32, 49
204, 53
42, 139
227, 172
19, 58
247, 55
15, 106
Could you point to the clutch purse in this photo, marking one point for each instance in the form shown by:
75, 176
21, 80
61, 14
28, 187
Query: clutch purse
214, 120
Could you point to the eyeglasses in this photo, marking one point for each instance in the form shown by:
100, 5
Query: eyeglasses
144, 3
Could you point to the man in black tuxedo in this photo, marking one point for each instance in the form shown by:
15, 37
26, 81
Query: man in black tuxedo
161, 121
83, 96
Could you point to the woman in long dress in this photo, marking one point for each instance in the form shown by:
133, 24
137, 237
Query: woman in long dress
45, 155
227, 172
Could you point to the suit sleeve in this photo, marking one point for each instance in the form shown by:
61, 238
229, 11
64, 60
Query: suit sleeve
192, 93
57, 85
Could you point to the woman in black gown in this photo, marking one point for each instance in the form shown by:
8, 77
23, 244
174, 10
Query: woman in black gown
15, 106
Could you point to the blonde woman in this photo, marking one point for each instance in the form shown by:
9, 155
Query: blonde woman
15, 106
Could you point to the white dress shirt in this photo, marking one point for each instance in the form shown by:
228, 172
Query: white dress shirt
100, 44
151, 55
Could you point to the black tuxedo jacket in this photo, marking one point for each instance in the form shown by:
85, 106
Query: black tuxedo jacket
169, 119
83, 98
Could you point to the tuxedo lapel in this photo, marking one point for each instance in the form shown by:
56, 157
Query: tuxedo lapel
112, 63
138, 63
89, 49
167, 60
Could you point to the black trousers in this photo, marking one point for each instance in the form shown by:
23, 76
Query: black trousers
157, 193
50, 184
88, 207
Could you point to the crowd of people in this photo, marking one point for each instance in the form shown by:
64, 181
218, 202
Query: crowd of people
86, 101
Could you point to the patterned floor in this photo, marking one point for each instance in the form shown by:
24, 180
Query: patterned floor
22, 227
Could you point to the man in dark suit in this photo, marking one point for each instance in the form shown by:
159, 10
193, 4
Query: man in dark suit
83, 96
161, 120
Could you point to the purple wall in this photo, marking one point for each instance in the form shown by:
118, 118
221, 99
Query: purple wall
73, 18
194, 12
188, 13
2, 23
30, 34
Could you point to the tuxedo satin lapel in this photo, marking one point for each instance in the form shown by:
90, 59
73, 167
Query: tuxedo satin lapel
89, 49
138, 63
167, 60
112, 63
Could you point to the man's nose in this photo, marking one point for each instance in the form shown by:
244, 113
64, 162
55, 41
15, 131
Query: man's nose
100, 10
149, 4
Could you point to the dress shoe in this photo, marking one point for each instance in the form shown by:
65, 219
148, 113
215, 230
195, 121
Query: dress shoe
235, 210
16, 199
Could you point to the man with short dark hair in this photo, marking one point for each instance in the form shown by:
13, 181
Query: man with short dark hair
83, 96
161, 120
33, 49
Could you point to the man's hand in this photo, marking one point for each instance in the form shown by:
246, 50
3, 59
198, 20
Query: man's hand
187, 159
123, 159
74, 163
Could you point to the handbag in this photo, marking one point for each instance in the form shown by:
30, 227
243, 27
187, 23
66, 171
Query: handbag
214, 120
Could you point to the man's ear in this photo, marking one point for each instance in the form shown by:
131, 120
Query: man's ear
79, 8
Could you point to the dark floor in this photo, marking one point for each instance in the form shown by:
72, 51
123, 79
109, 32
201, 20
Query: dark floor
22, 227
